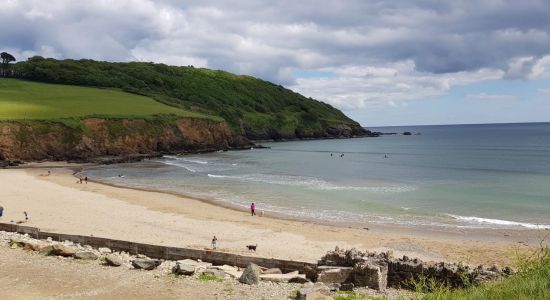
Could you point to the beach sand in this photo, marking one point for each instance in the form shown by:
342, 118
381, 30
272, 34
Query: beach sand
57, 203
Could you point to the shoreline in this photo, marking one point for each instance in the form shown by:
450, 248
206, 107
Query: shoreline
173, 219
499, 234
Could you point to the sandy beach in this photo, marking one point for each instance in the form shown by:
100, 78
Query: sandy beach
57, 203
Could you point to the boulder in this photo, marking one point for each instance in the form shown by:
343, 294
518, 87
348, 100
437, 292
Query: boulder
27, 245
146, 264
57, 249
199, 265
251, 275
104, 250
372, 274
113, 260
85, 255
330, 274
183, 269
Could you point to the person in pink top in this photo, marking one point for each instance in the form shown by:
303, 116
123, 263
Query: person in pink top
253, 209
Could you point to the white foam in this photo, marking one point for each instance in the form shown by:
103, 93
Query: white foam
175, 164
311, 183
195, 161
216, 176
499, 222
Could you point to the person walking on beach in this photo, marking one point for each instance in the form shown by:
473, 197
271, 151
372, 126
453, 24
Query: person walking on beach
1, 211
253, 209
86, 179
214, 242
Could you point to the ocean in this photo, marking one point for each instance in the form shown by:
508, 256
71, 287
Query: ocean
459, 176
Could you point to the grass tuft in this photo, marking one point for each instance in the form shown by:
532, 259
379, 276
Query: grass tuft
208, 277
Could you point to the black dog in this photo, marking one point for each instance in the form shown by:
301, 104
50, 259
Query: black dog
252, 247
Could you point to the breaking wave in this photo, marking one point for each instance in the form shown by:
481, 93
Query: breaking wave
311, 183
478, 220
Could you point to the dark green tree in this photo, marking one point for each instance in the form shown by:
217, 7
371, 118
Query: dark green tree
6, 60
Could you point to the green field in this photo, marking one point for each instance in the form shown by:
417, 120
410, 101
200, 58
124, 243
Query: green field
25, 100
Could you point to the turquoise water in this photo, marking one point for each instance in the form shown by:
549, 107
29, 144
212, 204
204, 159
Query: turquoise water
488, 176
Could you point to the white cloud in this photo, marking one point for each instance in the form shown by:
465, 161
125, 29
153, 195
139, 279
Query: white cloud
357, 87
378, 51
490, 97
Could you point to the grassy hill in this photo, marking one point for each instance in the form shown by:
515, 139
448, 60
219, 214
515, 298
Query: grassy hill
26, 100
252, 107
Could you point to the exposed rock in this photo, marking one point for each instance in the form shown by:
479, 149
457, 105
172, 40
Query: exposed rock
371, 274
57, 249
104, 250
146, 264
114, 138
85, 255
342, 258
330, 274
27, 245
251, 275
113, 260
183, 269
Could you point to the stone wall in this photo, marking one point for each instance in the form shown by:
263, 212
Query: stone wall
163, 252
381, 270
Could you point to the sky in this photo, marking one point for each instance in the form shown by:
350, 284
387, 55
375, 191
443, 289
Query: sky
381, 62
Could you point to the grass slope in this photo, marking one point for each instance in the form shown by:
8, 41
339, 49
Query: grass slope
25, 100
259, 105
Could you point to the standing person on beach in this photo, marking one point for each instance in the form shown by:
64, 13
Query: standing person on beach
1, 211
253, 209
86, 179
214, 242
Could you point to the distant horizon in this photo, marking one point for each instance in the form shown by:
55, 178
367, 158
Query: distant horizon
458, 124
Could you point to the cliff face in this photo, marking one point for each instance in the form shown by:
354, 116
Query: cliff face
94, 137
337, 131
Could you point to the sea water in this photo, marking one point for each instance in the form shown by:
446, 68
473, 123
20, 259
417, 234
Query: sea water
479, 176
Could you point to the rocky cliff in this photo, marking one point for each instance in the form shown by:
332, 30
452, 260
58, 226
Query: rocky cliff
335, 131
94, 137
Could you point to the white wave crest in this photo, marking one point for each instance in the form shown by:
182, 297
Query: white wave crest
499, 222
179, 158
311, 183
179, 165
